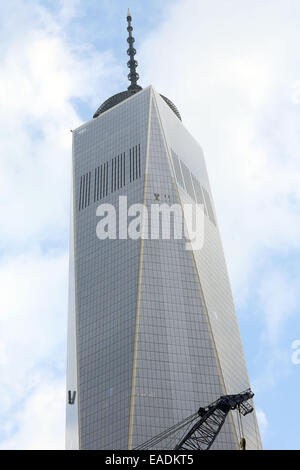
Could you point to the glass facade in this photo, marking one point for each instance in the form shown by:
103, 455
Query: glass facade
152, 329
213, 274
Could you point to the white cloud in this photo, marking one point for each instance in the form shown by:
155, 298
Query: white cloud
33, 322
39, 425
262, 421
3, 354
69, 9
296, 92
279, 300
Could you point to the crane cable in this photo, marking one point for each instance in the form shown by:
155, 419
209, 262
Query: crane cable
165, 434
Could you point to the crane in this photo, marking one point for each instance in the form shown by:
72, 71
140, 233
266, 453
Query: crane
199, 430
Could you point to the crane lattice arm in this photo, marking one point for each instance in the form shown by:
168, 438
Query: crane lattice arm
199, 431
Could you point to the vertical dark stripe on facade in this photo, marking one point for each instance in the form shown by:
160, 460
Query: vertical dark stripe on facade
85, 188
134, 153
112, 172
133, 163
83, 192
139, 161
103, 179
95, 184
86, 185
130, 165
89, 191
136, 163
106, 178
80, 192
124, 166
133, 167
118, 177
121, 170
98, 183
114, 175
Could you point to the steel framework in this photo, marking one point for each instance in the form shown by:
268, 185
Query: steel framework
205, 425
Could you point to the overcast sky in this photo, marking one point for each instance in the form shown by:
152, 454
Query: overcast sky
232, 67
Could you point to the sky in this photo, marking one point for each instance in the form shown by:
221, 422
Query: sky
233, 70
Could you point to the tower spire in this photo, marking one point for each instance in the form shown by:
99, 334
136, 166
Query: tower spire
133, 76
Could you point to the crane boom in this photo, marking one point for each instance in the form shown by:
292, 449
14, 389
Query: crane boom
199, 431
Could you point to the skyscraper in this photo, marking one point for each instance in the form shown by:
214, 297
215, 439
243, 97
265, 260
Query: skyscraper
152, 330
